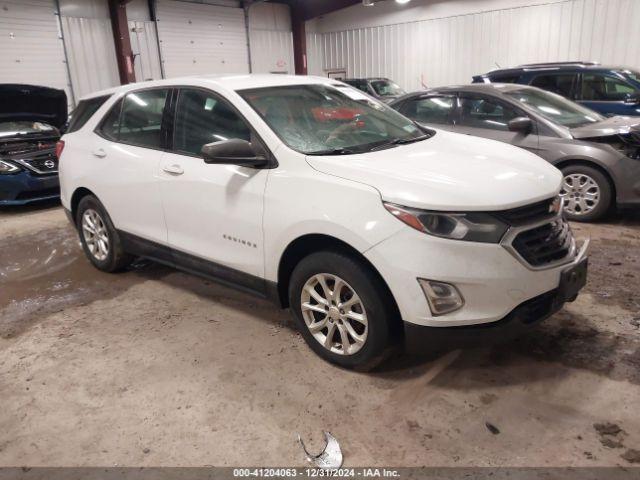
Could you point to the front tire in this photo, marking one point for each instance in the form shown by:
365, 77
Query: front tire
342, 309
99, 238
587, 193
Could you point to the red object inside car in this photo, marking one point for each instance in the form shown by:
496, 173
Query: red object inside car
322, 114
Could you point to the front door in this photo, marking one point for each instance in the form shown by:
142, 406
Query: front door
607, 94
213, 212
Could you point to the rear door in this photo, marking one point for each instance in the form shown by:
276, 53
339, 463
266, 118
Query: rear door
213, 212
126, 156
436, 110
487, 116
565, 84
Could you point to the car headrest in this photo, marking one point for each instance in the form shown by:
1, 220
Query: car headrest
136, 118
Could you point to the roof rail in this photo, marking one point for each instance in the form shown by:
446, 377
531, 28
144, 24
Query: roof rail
558, 64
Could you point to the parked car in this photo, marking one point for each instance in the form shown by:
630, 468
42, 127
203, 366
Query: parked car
608, 90
599, 157
30, 117
303, 190
380, 88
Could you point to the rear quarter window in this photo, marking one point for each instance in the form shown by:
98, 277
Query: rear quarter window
84, 111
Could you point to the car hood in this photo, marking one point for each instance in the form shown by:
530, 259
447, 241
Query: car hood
450, 172
33, 103
609, 126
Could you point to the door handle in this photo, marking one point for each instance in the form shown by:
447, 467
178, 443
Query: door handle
100, 153
173, 169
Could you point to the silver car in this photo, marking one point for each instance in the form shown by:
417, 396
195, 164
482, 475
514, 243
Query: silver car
599, 156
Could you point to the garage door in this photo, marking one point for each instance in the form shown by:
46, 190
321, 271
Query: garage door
32, 51
92, 55
200, 39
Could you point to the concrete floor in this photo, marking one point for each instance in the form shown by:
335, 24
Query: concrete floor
157, 367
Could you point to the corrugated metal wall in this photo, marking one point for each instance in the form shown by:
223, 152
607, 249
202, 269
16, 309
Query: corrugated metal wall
451, 50
32, 50
144, 45
91, 54
271, 38
199, 38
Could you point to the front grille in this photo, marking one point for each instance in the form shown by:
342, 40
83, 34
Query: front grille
45, 163
546, 244
533, 213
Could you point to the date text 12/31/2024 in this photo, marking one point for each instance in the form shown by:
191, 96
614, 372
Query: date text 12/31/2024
316, 472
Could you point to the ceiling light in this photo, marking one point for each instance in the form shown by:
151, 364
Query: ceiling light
403, 1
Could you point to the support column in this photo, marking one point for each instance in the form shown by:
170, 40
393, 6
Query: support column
120, 27
299, 40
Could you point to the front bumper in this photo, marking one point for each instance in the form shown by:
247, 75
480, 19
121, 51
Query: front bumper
24, 187
418, 339
492, 281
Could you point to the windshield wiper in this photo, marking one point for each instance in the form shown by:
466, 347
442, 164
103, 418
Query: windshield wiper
333, 151
399, 141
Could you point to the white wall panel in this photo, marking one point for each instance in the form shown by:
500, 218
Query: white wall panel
272, 51
91, 54
144, 45
449, 50
315, 56
271, 38
31, 48
200, 39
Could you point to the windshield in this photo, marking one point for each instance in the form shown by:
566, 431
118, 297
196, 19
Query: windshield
386, 88
556, 108
10, 129
323, 119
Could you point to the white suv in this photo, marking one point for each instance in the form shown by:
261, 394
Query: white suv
309, 192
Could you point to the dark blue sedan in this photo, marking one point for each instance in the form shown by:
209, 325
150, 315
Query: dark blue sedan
607, 90
30, 119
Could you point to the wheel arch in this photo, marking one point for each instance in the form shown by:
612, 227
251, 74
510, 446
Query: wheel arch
566, 162
78, 195
307, 244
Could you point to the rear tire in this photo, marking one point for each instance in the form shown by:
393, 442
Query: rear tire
100, 240
587, 193
359, 313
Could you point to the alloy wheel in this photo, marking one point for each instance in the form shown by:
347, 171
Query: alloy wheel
95, 234
334, 314
581, 194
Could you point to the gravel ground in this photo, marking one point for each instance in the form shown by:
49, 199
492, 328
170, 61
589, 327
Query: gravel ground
156, 367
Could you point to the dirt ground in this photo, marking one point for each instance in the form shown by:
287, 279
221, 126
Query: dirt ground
156, 367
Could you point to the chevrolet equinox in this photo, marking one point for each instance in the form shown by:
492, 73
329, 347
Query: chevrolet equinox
306, 191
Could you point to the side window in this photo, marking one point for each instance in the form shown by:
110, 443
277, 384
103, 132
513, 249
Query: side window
84, 111
136, 119
486, 113
110, 126
201, 118
505, 78
598, 87
141, 118
360, 85
429, 110
562, 84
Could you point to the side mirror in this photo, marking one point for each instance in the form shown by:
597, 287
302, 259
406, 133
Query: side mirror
233, 152
632, 99
521, 125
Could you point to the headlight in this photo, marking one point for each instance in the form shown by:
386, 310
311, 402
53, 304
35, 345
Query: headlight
471, 226
7, 168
